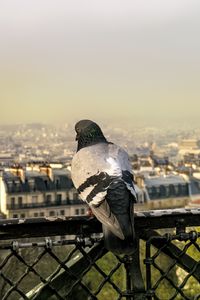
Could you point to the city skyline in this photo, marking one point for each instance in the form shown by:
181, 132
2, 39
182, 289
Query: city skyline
118, 62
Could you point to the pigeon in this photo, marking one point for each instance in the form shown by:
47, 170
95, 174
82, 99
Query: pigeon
102, 175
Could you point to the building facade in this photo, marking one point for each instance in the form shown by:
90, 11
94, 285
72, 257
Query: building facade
164, 191
37, 192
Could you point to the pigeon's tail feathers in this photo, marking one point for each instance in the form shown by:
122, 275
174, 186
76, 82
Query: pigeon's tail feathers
107, 218
121, 202
116, 245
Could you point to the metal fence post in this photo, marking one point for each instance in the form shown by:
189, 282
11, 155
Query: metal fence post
135, 282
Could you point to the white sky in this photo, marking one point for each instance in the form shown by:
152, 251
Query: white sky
99, 59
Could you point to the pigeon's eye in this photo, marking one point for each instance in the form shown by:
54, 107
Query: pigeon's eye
77, 130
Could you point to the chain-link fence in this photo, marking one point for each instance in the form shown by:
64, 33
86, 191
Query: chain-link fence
66, 259
173, 269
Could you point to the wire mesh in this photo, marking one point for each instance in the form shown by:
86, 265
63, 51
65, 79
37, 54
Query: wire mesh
175, 276
60, 269
76, 266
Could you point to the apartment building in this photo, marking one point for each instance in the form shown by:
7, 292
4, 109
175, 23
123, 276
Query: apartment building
164, 191
38, 191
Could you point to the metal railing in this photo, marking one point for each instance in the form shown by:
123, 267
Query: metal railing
65, 258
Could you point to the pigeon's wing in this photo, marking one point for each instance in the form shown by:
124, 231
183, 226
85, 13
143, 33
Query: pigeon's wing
94, 168
92, 172
106, 217
90, 176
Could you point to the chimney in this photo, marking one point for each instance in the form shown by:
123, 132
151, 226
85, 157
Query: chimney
46, 169
139, 180
18, 171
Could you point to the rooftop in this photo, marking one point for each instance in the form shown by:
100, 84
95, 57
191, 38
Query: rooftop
164, 180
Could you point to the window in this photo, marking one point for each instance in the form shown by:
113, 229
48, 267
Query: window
162, 191
35, 215
62, 212
176, 189
31, 183
41, 214
82, 211
75, 195
179, 189
57, 183
157, 192
72, 195
167, 190
22, 216
15, 216
46, 183
48, 199
172, 190
58, 199
153, 193
12, 202
77, 212
184, 189
52, 213
18, 185
20, 202
10, 184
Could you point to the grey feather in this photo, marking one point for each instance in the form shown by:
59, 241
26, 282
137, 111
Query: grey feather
105, 216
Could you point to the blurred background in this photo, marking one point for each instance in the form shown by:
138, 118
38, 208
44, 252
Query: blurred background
117, 61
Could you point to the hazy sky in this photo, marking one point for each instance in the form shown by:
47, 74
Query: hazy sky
100, 59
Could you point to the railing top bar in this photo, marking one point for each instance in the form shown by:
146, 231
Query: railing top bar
161, 212
138, 215
35, 227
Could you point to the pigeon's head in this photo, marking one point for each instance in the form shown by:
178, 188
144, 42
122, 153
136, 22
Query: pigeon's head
88, 133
